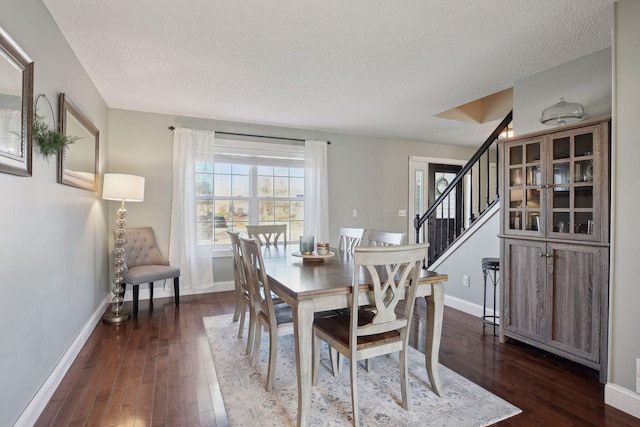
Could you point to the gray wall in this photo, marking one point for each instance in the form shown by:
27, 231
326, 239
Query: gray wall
466, 260
625, 291
53, 255
586, 80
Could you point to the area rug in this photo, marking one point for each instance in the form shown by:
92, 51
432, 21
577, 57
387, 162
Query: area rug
248, 403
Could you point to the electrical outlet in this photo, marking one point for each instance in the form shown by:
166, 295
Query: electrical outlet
465, 281
402, 212
355, 213
637, 375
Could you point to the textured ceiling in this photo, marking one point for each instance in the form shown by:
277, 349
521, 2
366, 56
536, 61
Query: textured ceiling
363, 67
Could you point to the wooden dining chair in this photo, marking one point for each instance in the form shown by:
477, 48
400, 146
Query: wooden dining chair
277, 320
243, 299
391, 272
350, 238
264, 233
384, 238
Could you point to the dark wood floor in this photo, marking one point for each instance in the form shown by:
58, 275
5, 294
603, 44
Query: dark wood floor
157, 371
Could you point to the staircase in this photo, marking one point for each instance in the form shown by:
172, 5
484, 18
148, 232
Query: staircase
469, 196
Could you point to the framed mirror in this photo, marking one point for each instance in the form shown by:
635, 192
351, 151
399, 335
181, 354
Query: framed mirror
78, 162
16, 107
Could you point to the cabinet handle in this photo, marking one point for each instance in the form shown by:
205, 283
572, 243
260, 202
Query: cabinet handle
540, 254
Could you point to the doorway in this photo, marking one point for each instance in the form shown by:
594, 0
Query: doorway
420, 180
445, 225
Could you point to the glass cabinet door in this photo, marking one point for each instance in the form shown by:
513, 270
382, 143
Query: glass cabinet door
556, 184
524, 161
573, 184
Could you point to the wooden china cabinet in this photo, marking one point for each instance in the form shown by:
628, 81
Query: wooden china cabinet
555, 241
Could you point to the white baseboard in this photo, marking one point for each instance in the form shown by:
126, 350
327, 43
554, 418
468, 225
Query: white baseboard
467, 307
218, 287
31, 413
614, 395
167, 291
622, 399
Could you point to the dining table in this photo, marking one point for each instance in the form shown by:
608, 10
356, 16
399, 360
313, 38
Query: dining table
317, 284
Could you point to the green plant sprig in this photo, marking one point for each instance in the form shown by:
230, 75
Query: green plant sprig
50, 141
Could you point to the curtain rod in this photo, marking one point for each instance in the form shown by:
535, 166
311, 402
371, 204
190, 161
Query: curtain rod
256, 136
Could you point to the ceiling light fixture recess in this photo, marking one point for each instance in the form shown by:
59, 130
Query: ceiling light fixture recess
563, 113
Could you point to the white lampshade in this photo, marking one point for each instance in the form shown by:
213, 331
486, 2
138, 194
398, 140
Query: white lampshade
128, 188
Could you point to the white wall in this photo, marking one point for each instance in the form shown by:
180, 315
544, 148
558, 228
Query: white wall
625, 289
54, 253
586, 80
366, 174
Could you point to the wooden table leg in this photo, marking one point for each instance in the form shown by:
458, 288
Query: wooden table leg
435, 313
303, 328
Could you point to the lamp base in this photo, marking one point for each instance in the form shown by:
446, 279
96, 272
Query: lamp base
112, 318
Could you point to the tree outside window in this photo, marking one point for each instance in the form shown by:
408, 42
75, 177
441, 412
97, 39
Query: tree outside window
231, 195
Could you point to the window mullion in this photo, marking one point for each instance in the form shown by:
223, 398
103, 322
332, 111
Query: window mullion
253, 201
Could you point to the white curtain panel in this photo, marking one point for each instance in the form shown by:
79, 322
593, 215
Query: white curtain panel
316, 194
194, 261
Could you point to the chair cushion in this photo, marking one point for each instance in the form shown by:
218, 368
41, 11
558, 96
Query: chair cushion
150, 273
338, 328
141, 249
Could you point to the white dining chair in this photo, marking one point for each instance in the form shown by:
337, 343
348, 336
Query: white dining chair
268, 235
243, 298
277, 320
385, 238
350, 238
359, 335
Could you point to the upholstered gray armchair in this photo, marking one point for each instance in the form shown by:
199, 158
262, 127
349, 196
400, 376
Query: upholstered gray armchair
144, 263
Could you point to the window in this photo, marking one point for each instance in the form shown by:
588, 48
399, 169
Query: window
442, 180
249, 183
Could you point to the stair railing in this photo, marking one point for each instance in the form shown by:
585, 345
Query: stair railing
476, 189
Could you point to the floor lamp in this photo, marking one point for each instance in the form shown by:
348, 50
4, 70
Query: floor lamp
124, 188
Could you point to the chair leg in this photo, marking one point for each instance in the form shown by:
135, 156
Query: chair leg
368, 365
252, 330
404, 381
242, 314
238, 310
124, 289
353, 365
273, 358
136, 290
150, 291
336, 361
256, 342
239, 293
176, 289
